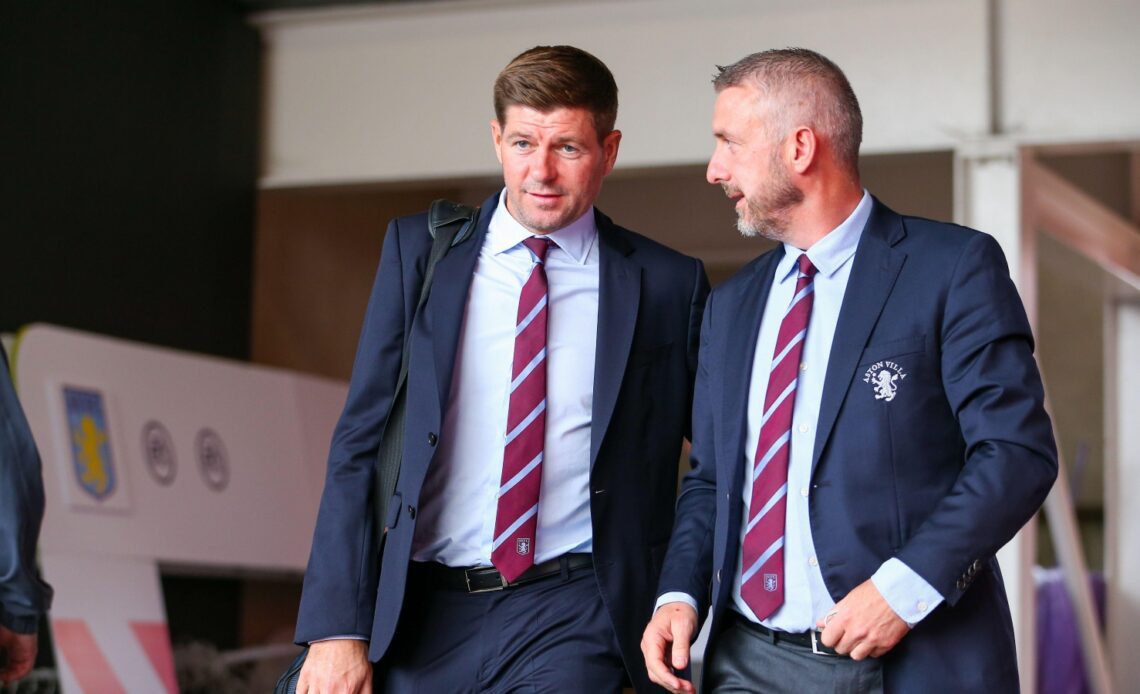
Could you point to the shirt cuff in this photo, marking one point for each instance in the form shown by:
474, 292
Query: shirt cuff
908, 594
348, 637
676, 596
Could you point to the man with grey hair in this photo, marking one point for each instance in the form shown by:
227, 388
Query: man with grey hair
868, 424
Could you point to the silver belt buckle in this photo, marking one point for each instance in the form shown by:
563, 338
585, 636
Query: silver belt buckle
467, 577
816, 645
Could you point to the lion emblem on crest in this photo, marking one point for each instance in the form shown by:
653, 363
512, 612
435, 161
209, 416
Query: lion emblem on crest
885, 378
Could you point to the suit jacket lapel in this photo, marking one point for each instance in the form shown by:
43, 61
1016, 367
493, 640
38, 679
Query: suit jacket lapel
876, 267
619, 293
448, 299
746, 311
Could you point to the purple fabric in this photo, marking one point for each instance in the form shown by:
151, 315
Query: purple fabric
1060, 665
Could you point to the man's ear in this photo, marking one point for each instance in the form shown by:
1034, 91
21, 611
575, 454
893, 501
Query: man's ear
497, 138
803, 148
610, 144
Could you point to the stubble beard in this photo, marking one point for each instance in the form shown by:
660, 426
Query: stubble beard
769, 216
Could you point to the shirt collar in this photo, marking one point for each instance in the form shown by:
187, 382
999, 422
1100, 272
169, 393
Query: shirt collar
833, 250
504, 233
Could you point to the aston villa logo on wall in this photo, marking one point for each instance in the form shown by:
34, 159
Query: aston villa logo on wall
522, 546
91, 456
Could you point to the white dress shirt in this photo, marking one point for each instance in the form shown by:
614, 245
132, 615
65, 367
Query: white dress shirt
458, 501
806, 598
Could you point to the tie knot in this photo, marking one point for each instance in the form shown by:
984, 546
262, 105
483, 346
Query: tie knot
539, 246
806, 268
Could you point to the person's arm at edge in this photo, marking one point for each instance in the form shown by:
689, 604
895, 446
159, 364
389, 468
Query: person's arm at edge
24, 597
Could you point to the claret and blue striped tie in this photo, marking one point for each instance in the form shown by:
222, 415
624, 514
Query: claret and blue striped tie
762, 568
512, 551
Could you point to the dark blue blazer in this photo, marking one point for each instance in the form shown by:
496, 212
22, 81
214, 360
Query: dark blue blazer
649, 314
940, 476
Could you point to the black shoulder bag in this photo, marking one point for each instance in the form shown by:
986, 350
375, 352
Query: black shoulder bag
450, 224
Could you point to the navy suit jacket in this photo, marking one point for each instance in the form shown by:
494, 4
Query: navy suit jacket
649, 314
940, 476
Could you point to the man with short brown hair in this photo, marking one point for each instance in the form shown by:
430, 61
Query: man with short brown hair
548, 393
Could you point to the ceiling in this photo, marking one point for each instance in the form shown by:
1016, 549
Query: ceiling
272, 5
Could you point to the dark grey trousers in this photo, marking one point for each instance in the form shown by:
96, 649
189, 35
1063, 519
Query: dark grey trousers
743, 660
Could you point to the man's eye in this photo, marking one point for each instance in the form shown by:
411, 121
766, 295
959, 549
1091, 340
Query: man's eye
521, 144
569, 149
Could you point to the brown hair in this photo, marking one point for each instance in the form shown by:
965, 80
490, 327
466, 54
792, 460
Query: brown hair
548, 77
805, 88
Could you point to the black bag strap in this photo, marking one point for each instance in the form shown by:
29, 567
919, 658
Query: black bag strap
450, 224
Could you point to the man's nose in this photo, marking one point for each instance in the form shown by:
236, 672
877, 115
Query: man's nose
715, 173
543, 167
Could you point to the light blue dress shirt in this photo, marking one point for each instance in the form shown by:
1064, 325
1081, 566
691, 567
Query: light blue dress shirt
459, 499
806, 598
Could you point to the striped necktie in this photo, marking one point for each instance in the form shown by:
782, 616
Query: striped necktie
762, 568
516, 520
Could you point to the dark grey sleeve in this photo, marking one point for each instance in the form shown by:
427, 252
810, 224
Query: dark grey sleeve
23, 596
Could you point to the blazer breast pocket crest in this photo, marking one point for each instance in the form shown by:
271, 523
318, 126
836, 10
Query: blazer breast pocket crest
885, 378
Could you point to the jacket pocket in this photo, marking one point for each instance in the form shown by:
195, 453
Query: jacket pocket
889, 349
393, 515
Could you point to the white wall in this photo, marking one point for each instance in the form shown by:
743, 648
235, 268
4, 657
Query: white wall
1069, 69
1122, 512
275, 427
404, 93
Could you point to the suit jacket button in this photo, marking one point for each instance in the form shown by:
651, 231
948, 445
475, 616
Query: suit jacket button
432, 438
718, 575
412, 512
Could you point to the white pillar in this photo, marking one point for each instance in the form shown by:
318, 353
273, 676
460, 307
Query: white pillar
987, 196
1122, 479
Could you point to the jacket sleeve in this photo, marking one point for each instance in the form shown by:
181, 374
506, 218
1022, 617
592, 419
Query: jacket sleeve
696, 318
23, 596
339, 593
994, 389
688, 563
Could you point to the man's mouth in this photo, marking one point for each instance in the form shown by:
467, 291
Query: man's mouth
545, 197
733, 194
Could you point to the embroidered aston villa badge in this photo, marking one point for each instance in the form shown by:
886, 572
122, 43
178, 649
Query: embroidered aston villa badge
885, 377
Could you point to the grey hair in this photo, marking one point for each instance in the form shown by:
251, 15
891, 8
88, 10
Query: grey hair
806, 89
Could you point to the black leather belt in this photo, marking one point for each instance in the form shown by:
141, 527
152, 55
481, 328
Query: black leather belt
480, 579
806, 639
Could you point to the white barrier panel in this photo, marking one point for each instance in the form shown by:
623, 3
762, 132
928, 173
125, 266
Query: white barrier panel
154, 456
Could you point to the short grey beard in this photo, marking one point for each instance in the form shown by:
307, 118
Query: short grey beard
773, 227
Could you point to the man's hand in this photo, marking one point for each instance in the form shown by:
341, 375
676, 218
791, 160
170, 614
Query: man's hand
665, 644
17, 655
862, 624
338, 666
